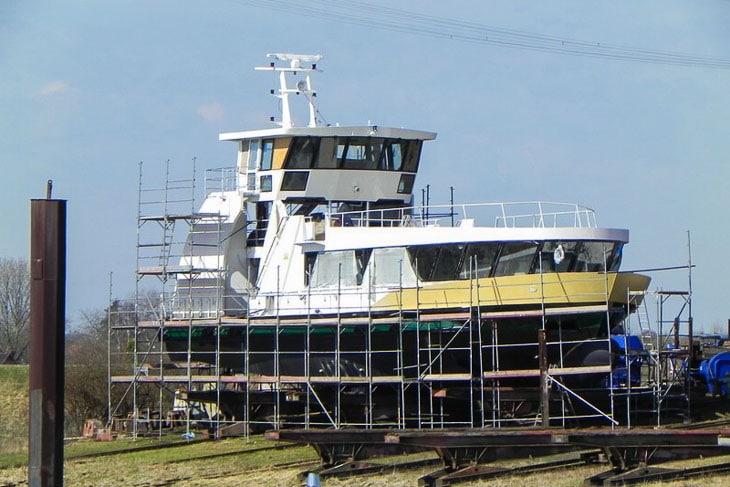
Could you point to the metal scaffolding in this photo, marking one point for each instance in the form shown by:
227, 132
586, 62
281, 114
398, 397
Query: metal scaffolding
409, 368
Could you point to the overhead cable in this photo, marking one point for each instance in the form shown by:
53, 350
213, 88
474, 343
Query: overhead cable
357, 12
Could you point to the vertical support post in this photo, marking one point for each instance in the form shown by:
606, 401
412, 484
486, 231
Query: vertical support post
676, 333
690, 363
544, 381
47, 329
691, 338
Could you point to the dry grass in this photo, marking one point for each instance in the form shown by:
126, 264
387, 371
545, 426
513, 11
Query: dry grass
13, 409
235, 464
238, 463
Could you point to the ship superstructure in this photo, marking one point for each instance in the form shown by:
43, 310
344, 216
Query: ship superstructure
322, 295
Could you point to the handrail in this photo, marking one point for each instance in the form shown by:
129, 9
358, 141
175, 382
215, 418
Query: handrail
522, 214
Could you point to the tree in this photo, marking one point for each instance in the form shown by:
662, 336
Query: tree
87, 346
14, 308
86, 372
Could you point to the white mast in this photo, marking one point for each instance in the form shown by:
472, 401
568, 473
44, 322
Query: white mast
302, 87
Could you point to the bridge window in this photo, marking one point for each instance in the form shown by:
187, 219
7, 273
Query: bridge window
412, 156
327, 157
294, 181
359, 152
301, 152
393, 156
362, 153
405, 185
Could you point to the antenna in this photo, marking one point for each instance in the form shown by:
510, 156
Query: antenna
302, 86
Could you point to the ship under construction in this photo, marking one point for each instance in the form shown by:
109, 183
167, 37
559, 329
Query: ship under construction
309, 290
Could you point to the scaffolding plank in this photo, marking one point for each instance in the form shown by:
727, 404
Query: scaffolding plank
593, 369
164, 218
547, 312
446, 377
159, 270
259, 379
554, 371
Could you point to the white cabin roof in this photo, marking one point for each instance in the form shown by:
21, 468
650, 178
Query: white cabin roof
331, 131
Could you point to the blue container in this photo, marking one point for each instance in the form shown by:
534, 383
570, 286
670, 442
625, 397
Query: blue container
716, 372
313, 480
627, 371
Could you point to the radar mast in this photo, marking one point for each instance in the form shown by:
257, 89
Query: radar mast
303, 86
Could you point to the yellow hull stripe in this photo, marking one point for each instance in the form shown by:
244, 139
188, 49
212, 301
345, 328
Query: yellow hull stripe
520, 290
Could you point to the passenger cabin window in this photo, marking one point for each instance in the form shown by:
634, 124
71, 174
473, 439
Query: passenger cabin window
453, 261
333, 269
578, 256
474, 261
478, 261
515, 258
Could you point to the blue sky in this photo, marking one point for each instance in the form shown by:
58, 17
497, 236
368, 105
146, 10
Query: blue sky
89, 89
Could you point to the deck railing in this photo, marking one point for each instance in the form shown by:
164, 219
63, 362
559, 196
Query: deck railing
527, 214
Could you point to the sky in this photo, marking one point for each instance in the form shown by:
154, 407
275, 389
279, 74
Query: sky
90, 89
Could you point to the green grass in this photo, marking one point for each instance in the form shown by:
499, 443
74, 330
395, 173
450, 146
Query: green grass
241, 462
209, 462
13, 409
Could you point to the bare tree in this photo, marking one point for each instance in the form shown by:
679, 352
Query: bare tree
14, 308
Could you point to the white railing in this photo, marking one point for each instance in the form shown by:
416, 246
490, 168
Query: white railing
221, 179
529, 214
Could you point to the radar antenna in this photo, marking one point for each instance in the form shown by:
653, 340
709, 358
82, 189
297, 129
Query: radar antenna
303, 86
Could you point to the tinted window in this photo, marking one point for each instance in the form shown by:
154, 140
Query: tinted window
326, 158
413, 153
448, 262
405, 185
301, 153
360, 153
478, 261
294, 181
424, 259
392, 159
515, 258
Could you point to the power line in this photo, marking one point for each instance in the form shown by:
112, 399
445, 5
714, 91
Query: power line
357, 12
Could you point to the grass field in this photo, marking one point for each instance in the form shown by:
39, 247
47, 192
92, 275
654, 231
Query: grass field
235, 462
255, 462
13, 409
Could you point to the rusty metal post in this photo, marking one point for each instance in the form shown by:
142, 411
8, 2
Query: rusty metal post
677, 345
544, 380
47, 328
691, 338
